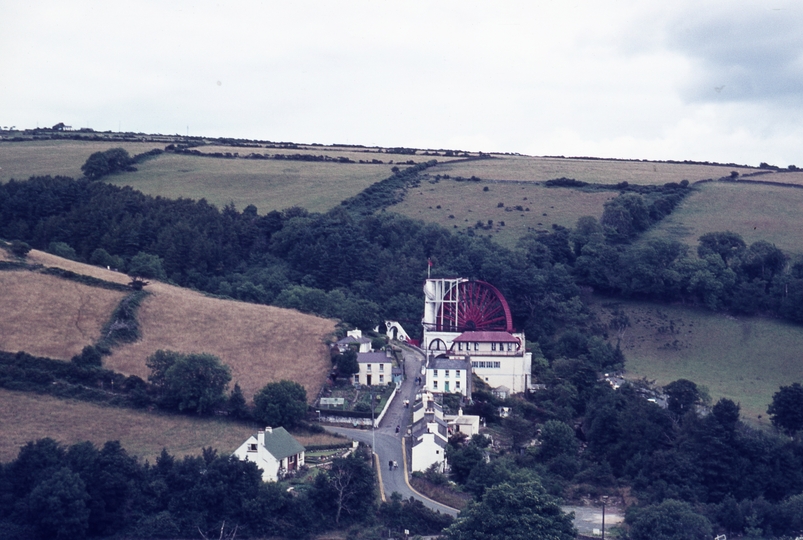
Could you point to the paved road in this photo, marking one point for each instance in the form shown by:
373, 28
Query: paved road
388, 442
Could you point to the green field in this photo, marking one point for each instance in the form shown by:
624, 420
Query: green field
541, 207
21, 160
267, 184
756, 212
595, 171
745, 359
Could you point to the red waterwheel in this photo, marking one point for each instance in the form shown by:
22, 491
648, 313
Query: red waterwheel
475, 305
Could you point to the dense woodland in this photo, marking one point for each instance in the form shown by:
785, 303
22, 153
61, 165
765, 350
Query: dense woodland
361, 264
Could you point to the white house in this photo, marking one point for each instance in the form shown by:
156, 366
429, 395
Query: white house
376, 368
354, 338
463, 423
449, 375
429, 435
498, 358
274, 451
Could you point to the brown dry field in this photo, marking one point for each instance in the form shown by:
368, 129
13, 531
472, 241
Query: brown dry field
260, 344
49, 316
26, 417
539, 169
21, 160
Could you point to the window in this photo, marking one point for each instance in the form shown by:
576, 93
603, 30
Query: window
497, 364
434, 385
252, 447
381, 378
457, 373
509, 347
475, 364
447, 373
368, 368
493, 346
434, 372
459, 346
381, 367
476, 346
457, 385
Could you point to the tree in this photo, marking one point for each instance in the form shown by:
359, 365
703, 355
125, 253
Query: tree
512, 512
725, 244
682, 396
347, 488
281, 404
145, 265
670, 520
786, 409
347, 364
58, 506
111, 161
20, 248
192, 383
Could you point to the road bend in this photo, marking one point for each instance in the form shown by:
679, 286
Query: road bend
389, 443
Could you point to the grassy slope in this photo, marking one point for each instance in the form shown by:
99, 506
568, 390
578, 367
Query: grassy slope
267, 184
538, 169
21, 160
756, 212
745, 359
468, 203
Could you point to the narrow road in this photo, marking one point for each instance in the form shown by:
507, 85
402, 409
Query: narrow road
388, 442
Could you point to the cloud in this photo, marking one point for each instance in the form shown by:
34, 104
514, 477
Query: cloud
742, 52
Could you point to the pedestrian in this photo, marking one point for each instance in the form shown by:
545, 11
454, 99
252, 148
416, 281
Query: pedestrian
398, 428
390, 465
395, 465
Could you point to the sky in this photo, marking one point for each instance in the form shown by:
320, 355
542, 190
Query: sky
718, 81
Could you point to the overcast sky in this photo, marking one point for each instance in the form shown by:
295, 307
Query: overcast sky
683, 79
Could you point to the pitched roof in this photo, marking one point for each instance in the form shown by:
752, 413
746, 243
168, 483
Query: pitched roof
447, 363
281, 444
373, 358
351, 339
487, 337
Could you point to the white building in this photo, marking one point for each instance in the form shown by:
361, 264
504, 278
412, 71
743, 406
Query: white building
498, 358
274, 451
356, 339
376, 368
463, 423
429, 435
449, 375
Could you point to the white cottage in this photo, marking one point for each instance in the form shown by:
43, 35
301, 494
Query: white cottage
376, 368
429, 435
274, 451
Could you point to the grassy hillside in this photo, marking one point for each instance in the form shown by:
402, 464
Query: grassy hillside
755, 211
595, 171
21, 160
460, 205
745, 359
57, 318
267, 184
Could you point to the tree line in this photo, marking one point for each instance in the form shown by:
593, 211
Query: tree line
81, 491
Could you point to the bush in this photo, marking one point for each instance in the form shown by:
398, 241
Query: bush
20, 248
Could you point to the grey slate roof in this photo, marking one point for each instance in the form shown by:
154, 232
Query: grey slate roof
373, 358
281, 444
446, 363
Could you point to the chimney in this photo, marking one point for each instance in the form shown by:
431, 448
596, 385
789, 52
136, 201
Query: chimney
460, 411
268, 429
261, 437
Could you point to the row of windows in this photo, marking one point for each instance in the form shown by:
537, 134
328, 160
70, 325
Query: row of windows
446, 373
480, 364
381, 367
494, 345
456, 385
